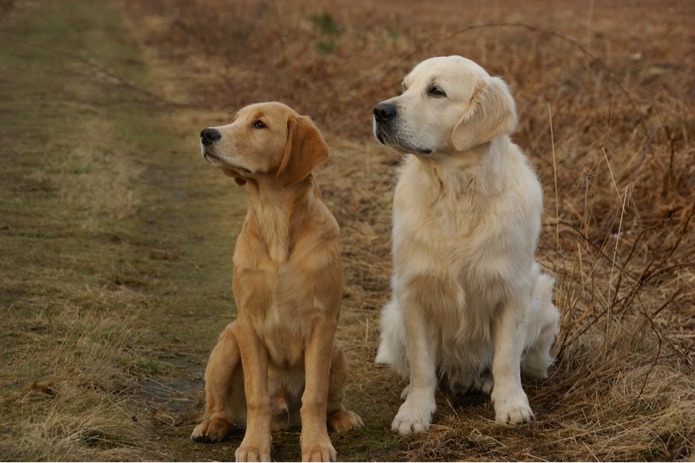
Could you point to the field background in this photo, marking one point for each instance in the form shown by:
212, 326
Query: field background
116, 238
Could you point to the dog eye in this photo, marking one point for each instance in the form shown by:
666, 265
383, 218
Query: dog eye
258, 124
436, 92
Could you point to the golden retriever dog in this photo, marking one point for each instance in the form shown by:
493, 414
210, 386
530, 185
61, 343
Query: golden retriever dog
278, 362
469, 304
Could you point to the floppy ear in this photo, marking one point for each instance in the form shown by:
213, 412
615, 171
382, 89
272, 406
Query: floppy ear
491, 113
304, 150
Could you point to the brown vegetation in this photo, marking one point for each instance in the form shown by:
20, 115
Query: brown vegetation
605, 94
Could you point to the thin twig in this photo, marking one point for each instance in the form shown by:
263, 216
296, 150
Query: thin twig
557, 205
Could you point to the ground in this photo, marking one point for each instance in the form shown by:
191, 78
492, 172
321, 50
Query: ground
116, 237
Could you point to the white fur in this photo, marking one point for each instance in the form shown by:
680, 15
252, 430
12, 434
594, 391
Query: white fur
468, 298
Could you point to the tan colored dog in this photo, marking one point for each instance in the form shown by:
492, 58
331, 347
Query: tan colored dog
469, 303
278, 361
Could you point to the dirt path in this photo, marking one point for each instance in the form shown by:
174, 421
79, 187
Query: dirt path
115, 242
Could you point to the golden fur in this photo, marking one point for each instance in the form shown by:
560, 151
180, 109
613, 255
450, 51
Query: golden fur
287, 284
469, 303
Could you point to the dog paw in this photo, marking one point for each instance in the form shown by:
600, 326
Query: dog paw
484, 385
535, 370
212, 430
252, 453
319, 453
344, 420
513, 409
414, 416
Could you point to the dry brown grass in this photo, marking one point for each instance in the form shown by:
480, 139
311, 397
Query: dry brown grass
605, 98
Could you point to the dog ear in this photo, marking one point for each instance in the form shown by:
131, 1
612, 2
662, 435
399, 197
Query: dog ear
304, 150
491, 113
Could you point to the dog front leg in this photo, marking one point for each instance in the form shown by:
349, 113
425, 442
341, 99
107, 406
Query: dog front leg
415, 414
257, 439
509, 330
315, 443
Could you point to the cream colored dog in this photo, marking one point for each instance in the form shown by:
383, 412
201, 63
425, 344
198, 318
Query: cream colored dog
468, 298
278, 361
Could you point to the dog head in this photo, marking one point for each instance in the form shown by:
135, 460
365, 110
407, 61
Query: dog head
449, 104
265, 141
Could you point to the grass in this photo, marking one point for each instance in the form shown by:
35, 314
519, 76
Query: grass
116, 237
605, 120
104, 216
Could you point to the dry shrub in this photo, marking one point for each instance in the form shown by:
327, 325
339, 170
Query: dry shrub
606, 116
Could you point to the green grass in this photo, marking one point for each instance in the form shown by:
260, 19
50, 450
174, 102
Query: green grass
116, 244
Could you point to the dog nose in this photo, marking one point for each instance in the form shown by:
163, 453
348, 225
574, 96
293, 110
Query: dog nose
384, 112
209, 136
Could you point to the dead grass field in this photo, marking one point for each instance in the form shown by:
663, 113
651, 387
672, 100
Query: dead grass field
605, 93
